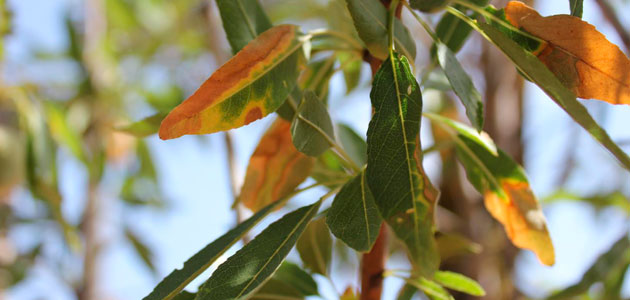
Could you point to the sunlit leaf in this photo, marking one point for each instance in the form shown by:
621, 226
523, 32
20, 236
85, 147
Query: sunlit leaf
63, 132
394, 172
251, 85
459, 282
502, 182
617, 256
145, 127
452, 245
529, 65
312, 128
243, 21
353, 216
462, 85
580, 56
370, 21
177, 280
275, 169
315, 246
244, 271
433, 290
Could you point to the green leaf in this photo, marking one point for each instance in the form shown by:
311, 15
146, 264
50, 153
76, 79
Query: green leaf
63, 132
598, 201
184, 295
288, 282
428, 5
353, 216
353, 143
350, 65
317, 76
293, 275
370, 21
315, 246
312, 129
407, 292
459, 282
394, 172
243, 21
454, 32
576, 7
433, 290
276, 289
503, 183
141, 249
617, 255
533, 68
178, 279
244, 271
462, 85
145, 127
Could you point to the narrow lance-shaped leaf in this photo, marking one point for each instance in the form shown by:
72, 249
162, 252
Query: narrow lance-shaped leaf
251, 85
454, 32
143, 251
502, 182
177, 280
370, 21
459, 282
462, 85
579, 55
430, 288
535, 70
353, 143
244, 271
312, 129
275, 169
243, 21
288, 282
315, 246
428, 5
145, 127
393, 175
576, 7
618, 255
353, 216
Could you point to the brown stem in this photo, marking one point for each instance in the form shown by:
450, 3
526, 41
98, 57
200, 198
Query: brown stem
612, 17
89, 289
373, 266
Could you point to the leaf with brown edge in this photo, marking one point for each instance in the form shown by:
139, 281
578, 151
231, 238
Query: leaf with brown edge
275, 169
251, 85
503, 183
579, 55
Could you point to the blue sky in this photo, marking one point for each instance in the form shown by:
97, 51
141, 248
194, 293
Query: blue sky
194, 178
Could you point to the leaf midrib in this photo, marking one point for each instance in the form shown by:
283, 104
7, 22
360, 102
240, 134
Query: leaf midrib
277, 250
377, 21
408, 158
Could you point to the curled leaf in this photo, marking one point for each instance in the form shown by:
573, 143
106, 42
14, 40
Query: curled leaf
251, 85
275, 169
579, 55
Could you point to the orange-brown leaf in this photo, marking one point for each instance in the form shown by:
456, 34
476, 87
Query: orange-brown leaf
275, 169
579, 55
251, 85
522, 218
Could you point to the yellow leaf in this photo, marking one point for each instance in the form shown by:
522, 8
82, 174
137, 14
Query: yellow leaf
251, 85
579, 55
275, 169
522, 218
